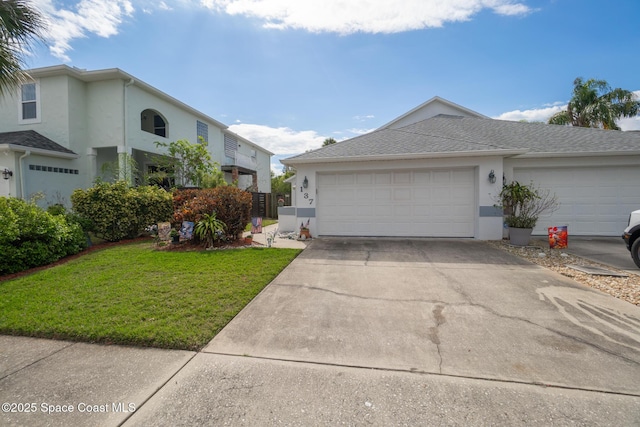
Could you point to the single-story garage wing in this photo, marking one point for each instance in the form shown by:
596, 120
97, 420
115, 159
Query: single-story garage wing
437, 170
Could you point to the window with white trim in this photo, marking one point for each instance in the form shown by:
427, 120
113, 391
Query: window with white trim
153, 122
203, 131
29, 103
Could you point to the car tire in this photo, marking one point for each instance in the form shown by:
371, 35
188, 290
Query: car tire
635, 252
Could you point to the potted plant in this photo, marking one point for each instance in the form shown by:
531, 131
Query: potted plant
523, 205
304, 231
175, 236
248, 239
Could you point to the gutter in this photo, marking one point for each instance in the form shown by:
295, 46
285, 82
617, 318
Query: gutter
404, 156
31, 150
534, 155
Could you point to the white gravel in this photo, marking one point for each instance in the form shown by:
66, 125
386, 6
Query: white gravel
625, 288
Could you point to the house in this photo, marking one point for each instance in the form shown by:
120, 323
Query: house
437, 170
62, 127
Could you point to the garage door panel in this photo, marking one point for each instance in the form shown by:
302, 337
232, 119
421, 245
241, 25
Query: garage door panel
462, 177
421, 202
364, 179
594, 201
326, 180
346, 179
382, 178
441, 178
383, 195
421, 178
401, 194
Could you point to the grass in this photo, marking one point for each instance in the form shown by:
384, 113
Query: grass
265, 222
136, 295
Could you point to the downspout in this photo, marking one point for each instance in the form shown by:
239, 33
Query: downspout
25, 155
125, 110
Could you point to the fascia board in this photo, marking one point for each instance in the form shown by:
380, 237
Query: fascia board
49, 153
534, 155
386, 157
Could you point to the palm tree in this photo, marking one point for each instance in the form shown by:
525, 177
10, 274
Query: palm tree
328, 141
594, 104
20, 25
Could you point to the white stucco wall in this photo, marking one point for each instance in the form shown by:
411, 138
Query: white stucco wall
89, 117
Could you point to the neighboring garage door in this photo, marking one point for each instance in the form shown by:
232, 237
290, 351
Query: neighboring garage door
594, 201
425, 203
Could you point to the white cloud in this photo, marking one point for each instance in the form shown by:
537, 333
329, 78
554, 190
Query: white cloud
363, 118
629, 123
361, 131
533, 115
368, 16
79, 19
282, 140
99, 17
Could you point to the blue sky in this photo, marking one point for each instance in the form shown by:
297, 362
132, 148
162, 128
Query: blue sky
287, 74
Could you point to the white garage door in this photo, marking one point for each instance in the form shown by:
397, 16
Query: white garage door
426, 203
594, 201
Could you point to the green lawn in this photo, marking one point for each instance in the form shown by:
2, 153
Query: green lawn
134, 294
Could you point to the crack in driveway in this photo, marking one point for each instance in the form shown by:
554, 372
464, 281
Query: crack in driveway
470, 303
434, 336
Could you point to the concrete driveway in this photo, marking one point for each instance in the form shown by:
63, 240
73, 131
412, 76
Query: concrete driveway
606, 250
450, 307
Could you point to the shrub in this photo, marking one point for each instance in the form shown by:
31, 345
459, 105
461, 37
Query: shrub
30, 237
231, 205
116, 211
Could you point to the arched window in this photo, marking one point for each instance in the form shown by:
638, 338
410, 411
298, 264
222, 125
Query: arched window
153, 122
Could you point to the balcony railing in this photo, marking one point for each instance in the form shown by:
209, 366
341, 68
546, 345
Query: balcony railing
241, 160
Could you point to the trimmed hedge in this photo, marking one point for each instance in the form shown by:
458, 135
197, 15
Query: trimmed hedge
115, 211
31, 237
231, 205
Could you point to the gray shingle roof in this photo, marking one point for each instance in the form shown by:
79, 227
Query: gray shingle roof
453, 135
32, 139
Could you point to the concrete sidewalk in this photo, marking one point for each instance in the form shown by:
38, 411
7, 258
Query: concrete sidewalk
361, 331
278, 240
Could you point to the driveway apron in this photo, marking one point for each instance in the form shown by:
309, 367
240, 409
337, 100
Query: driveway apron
458, 308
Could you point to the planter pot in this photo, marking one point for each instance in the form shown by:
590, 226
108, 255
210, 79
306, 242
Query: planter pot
175, 239
520, 236
248, 240
305, 234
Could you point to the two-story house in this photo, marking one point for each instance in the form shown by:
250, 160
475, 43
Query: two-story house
61, 127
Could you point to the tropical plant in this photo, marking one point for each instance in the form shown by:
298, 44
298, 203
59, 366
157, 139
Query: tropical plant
208, 229
126, 168
328, 141
20, 26
594, 104
184, 162
523, 204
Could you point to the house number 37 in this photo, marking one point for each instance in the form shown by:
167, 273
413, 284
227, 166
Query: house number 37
306, 196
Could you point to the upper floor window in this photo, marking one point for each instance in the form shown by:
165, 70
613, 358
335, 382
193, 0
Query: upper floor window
203, 131
153, 122
29, 102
